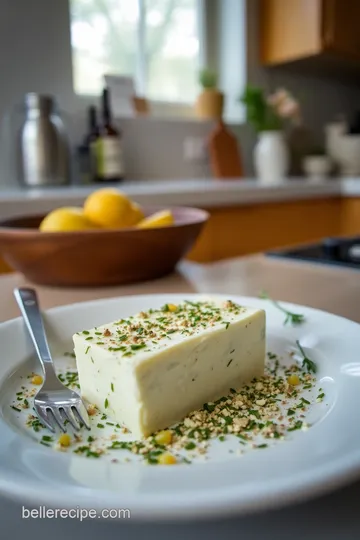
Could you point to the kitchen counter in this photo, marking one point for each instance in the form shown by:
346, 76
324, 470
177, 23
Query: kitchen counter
329, 288
202, 192
288, 281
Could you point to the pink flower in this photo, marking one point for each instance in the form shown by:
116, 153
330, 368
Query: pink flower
289, 108
278, 97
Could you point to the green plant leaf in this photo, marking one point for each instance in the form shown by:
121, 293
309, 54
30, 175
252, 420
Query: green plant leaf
208, 78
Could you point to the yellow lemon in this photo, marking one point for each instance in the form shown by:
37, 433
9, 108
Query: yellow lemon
137, 214
159, 219
66, 219
109, 208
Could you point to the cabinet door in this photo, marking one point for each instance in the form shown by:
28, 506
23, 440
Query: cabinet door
341, 27
289, 29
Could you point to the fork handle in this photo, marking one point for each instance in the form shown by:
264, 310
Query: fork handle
29, 306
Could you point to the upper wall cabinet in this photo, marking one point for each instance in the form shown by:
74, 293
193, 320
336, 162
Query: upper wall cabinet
294, 30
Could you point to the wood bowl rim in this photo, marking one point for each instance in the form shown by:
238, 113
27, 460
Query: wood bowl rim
203, 217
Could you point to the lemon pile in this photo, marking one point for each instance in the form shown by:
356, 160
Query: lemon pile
106, 208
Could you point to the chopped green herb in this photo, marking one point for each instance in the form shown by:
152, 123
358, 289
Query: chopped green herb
290, 412
15, 408
106, 403
112, 387
100, 425
86, 451
229, 362
138, 346
292, 318
208, 407
190, 446
87, 349
120, 445
307, 363
262, 446
297, 425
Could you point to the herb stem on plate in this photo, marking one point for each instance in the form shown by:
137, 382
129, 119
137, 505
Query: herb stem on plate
292, 318
307, 363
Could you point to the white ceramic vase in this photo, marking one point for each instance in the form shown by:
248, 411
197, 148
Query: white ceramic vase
271, 157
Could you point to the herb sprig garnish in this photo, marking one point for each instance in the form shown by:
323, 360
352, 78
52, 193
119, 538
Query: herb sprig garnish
292, 318
306, 363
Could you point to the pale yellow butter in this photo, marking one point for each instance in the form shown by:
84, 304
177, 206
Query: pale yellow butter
150, 371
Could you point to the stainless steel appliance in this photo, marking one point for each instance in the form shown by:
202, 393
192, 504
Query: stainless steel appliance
44, 156
335, 251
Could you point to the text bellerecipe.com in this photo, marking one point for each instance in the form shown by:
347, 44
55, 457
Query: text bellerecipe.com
42, 512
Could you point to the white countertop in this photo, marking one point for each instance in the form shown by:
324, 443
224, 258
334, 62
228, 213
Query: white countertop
203, 193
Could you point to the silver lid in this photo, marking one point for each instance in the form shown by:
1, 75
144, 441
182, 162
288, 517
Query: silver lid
39, 101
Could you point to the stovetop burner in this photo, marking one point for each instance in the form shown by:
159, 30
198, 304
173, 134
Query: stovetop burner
337, 251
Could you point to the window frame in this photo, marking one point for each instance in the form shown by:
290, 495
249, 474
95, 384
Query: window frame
166, 109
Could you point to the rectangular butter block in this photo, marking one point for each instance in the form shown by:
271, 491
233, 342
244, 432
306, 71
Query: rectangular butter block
149, 371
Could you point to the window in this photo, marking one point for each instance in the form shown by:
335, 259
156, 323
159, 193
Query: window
156, 41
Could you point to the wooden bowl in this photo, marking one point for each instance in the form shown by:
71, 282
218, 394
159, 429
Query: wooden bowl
98, 257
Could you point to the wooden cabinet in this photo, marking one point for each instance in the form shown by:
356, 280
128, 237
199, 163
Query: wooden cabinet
242, 230
292, 30
341, 27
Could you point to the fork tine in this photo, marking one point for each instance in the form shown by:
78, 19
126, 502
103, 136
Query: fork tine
57, 417
69, 415
82, 414
44, 417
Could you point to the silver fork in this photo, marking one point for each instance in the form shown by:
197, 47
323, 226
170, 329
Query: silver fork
54, 403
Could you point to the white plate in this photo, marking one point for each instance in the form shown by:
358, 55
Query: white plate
308, 463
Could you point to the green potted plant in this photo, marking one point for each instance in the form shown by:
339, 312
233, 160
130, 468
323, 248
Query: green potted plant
268, 115
210, 102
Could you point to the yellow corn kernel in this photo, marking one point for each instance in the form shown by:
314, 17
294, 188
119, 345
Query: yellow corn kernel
172, 307
163, 437
64, 439
36, 379
166, 459
293, 380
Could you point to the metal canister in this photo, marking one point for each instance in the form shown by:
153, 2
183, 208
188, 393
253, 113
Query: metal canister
44, 145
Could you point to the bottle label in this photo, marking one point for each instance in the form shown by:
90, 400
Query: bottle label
109, 157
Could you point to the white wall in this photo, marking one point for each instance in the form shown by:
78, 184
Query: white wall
35, 55
35, 51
